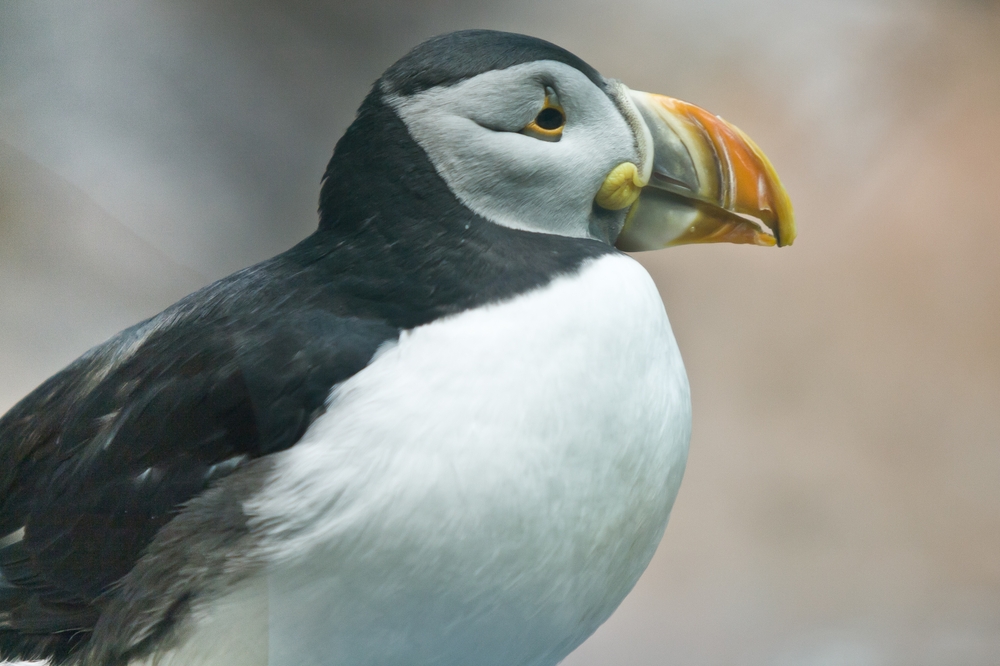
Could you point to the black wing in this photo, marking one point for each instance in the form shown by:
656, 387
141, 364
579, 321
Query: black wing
101, 456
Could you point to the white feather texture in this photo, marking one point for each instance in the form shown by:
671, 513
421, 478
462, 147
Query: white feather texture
487, 490
232, 631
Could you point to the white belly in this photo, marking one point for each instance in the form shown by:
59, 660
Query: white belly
487, 490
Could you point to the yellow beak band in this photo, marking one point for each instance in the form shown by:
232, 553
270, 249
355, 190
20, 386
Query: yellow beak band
620, 188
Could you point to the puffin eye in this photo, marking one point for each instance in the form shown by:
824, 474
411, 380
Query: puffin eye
549, 123
550, 119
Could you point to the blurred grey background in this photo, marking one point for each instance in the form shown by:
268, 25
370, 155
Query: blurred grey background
842, 500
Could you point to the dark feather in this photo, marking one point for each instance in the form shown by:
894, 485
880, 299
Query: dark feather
99, 458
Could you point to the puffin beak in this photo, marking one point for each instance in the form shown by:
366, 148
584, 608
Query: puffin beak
709, 183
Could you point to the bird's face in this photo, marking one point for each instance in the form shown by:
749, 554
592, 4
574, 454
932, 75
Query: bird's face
541, 146
527, 147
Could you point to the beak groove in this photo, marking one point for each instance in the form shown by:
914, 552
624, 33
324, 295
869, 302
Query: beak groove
708, 180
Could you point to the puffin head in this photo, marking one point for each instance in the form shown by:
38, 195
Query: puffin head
526, 135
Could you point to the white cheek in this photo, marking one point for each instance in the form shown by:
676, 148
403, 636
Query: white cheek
512, 179
480, 157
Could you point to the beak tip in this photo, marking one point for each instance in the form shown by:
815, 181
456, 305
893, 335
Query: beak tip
785, 231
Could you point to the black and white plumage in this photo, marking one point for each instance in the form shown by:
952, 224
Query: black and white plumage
446, 428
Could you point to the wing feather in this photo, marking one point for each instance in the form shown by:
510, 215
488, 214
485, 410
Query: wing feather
104, 454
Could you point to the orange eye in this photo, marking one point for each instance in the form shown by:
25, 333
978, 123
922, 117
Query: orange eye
549, 123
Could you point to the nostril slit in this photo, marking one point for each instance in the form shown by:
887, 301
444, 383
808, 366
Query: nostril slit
665, 179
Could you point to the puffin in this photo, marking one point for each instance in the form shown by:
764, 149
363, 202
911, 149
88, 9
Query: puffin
446, 428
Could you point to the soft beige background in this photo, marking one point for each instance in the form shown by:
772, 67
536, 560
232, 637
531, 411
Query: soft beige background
842, 500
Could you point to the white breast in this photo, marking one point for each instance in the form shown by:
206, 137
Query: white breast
488, 489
